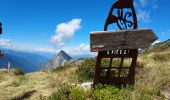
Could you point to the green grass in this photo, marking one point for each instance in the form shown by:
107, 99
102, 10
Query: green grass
151, 82
85, 71
65, 92
152, 77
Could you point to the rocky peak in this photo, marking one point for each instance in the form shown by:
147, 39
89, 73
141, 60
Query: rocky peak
63, 55
61, 59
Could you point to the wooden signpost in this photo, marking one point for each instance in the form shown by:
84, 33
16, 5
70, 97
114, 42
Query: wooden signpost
121, 44
113, 45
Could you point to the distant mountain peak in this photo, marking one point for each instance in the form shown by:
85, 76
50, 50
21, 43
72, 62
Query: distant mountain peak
64, 55
61, 59
62, 52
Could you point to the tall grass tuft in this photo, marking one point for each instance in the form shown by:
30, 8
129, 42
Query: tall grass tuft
18, 71
140, 64
161, 57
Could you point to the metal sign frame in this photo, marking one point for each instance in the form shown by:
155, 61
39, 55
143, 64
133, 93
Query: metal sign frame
123, 23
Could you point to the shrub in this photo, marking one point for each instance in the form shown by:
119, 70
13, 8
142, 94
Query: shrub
18, 71
86, 70
65, 92
78, 94
107, 92
62, 93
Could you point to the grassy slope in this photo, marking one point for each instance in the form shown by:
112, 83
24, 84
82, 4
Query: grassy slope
153, 80
32, 85
155, 76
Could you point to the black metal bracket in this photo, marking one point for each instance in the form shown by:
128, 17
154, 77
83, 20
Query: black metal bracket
126, 20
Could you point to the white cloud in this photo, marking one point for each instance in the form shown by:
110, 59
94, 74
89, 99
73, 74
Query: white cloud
149, 3
144, 9
84, 48
143, 16
81, 49
5, 43
46, 50
65, 31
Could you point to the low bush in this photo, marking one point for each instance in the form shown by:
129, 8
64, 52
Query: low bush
104, 92
62, 93
86, 70
109, 92
18, 71
78, 94
67, 92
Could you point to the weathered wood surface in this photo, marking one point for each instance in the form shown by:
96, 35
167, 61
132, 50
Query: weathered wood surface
131, 39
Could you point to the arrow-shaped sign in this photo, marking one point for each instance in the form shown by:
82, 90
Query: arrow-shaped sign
131, 39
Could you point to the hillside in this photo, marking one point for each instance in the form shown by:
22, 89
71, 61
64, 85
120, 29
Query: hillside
27, 61
162, 46
152, 82
35, 86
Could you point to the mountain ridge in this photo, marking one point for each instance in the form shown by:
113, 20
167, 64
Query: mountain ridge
61, 59
27, 61
161, 46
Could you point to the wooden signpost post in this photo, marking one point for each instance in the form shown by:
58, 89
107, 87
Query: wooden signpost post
120, 45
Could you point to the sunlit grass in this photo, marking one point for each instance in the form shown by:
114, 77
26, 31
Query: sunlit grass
42, 83
152, 81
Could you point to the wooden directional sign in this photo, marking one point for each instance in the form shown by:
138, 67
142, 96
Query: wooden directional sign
131, 39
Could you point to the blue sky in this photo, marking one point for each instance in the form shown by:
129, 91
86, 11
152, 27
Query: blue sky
52, 25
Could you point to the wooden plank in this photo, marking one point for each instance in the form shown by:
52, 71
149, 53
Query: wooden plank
131, 39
